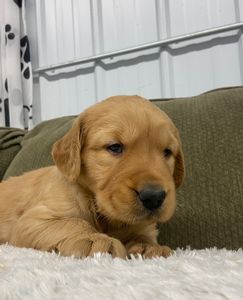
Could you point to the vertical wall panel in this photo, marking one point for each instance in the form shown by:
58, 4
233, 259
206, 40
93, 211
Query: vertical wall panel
206, 63
130, 73
72, 29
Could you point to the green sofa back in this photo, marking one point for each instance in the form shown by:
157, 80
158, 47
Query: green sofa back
210, 202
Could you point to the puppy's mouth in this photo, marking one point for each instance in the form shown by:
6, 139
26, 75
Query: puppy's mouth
131, 214
151, 215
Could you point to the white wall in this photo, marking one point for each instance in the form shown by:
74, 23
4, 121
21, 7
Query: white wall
62, 30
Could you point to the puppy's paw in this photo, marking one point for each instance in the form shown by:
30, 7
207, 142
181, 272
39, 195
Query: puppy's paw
98, 242
153, 251
148, 251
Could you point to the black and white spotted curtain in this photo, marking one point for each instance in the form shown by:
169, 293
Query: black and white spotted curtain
15, 67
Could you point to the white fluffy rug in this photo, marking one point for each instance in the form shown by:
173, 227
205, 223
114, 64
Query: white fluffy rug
206, 274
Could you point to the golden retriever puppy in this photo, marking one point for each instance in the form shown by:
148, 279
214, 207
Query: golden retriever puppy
114, 178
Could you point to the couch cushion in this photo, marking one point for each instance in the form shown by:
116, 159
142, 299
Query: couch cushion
37, 145
10, 139
210, 202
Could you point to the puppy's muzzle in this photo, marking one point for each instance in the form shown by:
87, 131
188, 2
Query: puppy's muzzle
152, 197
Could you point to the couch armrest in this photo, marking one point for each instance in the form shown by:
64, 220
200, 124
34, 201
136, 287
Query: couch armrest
10, 144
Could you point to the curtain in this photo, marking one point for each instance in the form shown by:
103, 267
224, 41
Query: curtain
16, 82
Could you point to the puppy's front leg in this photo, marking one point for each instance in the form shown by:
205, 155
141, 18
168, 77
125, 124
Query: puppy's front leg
39, 228
146, 247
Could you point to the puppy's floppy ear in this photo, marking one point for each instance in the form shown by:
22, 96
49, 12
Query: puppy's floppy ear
179, 170
66, 152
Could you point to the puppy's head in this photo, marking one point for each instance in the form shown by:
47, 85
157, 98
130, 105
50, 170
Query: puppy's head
127, 152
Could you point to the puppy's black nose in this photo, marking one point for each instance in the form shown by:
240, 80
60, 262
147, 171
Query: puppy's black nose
152, 197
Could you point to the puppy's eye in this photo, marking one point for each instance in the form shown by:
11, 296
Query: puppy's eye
167, 153
115, 148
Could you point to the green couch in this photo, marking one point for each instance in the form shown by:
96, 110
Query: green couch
210, 202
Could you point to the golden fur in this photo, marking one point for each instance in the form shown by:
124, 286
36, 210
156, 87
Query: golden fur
88, 202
